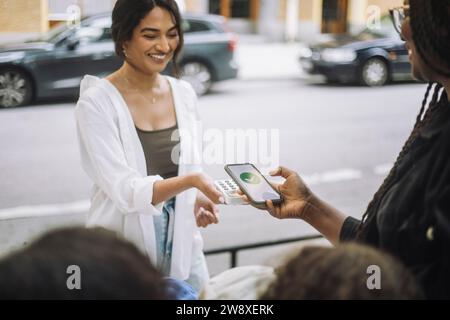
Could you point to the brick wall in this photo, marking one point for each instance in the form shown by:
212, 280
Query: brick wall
23, 15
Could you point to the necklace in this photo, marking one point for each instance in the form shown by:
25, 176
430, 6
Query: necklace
152, 101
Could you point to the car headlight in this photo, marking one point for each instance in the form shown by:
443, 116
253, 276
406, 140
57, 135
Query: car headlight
11, 56
338, 55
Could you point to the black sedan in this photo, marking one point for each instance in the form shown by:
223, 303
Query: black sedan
373, 57
54, 65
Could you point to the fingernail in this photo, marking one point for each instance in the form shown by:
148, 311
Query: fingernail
221, 200
201, 209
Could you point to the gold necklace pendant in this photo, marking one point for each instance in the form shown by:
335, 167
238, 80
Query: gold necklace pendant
153, 99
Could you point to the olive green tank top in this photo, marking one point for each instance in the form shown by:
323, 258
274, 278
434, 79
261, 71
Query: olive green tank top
158, 148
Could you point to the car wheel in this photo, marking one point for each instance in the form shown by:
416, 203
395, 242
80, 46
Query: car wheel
375, 72
198, 75
15, 88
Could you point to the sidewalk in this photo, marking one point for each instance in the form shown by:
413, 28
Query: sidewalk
259, 59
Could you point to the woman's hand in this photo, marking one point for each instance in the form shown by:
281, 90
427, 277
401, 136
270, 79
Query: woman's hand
300, 203
296, 196
204, 184
205, 211
168, 188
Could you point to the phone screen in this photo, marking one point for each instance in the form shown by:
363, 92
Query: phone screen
253, 183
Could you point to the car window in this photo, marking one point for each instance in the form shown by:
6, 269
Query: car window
94, 30
191, 26
106, 35
88, 34
100, 22
384, 30
91, 30
54, 33
102, 27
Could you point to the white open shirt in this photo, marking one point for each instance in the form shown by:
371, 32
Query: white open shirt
112, 156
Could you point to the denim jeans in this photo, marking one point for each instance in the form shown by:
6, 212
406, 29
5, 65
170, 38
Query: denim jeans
164, 227
164, 236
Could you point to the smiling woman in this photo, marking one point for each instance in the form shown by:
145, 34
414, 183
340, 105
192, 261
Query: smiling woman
162, 23
127, 124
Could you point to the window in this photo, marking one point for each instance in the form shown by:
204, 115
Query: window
101, 22
334, 16
88, 34
96, 30
240, 8
231, 8
191, 26
214, 6
331, 10
106, 35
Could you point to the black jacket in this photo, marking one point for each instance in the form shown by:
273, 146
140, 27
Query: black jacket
412, 220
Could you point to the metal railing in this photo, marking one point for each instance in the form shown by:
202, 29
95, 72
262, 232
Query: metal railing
233, 250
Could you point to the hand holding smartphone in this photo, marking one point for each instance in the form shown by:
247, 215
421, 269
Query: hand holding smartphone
253, 184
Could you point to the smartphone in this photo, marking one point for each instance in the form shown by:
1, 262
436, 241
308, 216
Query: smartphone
252, 183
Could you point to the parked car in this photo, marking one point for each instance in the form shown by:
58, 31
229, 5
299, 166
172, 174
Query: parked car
373, 57
53, 65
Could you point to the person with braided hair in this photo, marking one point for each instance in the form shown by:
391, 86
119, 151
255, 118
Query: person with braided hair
409, 215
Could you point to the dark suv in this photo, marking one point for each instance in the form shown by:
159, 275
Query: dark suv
53, 65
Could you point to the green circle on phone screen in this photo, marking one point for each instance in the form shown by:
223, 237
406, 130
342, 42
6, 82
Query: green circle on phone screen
249, 177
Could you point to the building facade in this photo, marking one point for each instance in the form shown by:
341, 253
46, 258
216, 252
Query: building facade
274, 19
294, 19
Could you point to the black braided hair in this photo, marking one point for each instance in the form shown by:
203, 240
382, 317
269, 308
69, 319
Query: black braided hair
419, 125
430, 25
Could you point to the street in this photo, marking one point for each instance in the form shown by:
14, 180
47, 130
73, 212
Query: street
341, 139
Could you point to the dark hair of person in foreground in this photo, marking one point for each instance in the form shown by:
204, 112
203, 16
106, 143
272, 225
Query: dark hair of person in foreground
342, 273
110, 268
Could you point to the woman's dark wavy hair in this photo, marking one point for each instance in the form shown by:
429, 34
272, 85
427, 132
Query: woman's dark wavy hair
127, 14
430, 26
